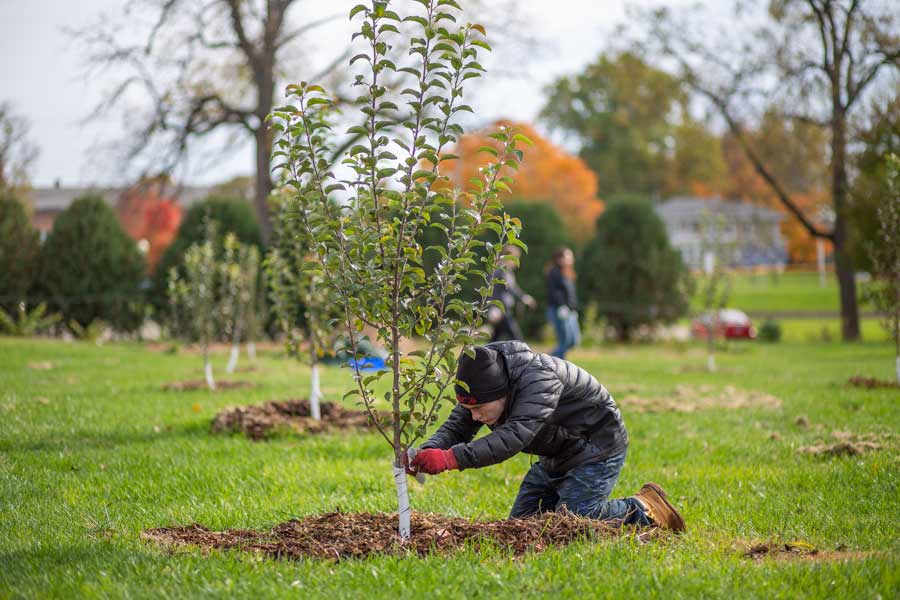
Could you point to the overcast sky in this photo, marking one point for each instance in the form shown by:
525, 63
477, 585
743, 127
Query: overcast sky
40, 73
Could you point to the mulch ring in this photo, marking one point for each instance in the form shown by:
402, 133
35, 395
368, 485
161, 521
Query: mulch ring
781, 551
200, 384
693, 398
871, 383
337, 536
259, 421
845, 443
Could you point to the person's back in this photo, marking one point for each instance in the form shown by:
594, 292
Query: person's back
584, 423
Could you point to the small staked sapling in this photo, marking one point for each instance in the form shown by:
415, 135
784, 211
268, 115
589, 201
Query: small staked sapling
194, 299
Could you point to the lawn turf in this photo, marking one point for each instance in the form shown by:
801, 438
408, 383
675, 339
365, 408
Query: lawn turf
92, 452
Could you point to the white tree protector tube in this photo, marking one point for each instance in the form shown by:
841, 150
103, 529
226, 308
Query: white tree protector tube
403, 510
233, 359
251, 350
898, 369
314, 394
711, 363
209, 375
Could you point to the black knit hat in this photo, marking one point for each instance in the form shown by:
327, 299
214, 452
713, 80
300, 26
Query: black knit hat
485, 375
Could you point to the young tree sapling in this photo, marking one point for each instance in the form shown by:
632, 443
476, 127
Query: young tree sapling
714, 285
368, 245
194, 300
238, 273
297, 291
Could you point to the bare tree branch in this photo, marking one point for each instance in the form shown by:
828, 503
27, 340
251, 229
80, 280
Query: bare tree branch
299, 31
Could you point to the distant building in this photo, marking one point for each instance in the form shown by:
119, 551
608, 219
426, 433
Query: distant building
750, 236
49, 202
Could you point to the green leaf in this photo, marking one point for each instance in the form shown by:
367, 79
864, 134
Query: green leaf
522, 138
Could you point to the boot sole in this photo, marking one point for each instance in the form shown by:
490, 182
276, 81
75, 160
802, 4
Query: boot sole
679, 520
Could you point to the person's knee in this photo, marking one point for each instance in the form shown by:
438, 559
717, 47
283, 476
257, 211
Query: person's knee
593, 509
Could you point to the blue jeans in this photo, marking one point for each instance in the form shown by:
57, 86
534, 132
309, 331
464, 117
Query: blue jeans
583, 490
568, 334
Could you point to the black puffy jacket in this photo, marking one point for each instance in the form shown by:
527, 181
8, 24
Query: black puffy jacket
555, 410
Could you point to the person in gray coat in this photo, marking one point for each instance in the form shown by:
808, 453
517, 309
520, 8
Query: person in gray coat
551, 408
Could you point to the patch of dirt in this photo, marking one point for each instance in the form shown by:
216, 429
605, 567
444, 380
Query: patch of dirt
258, 421
337, 536
40, 365
799, 551
200, 384
871, 382
848, 444
693, 398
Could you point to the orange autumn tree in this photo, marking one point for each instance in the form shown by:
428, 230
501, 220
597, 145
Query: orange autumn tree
147, 214
547, 174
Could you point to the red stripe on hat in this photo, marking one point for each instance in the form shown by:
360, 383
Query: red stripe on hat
466, 399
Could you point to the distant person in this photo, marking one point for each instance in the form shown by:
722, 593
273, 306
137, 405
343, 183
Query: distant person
509, 294
562, 303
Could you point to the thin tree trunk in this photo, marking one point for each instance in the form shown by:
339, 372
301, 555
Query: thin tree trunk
839, 190
235, 339
207, 368
263, 187
315, 393
847, 287
251, 350
233, 358
403, 510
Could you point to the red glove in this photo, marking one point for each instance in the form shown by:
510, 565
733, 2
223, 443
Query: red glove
434, 461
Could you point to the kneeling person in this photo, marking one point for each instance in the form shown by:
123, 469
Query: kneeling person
546, 406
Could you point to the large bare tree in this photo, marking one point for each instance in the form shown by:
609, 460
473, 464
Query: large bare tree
811, 60
186, 68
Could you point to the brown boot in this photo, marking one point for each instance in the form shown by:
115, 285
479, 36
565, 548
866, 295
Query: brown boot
658, 509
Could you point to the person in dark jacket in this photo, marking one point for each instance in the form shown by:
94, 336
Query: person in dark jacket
509, 294
549, 407
562, 303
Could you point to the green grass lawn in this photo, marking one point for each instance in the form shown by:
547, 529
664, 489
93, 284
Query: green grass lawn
788, 292
92, 452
